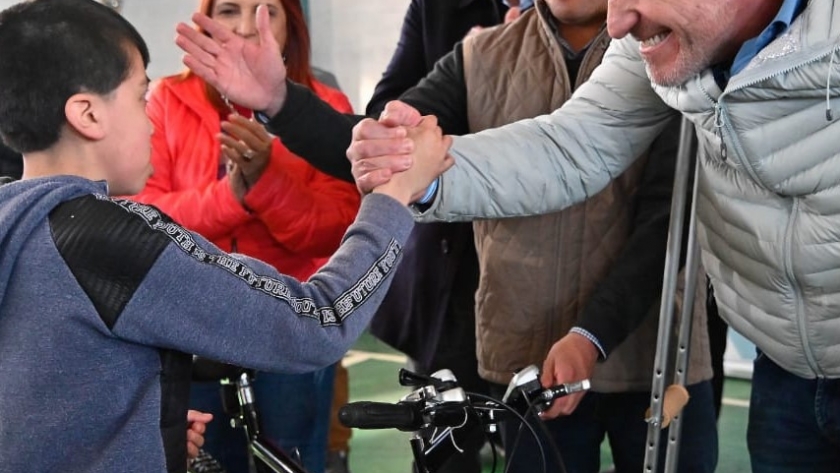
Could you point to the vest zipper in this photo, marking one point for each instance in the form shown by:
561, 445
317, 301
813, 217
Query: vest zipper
721, 124
719, 129
801, 323
723, 128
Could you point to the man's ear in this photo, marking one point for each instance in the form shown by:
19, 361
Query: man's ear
85, 114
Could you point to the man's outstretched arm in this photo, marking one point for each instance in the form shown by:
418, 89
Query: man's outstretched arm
572, 153
315, 131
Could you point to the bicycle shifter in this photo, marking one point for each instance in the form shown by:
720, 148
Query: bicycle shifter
525, 388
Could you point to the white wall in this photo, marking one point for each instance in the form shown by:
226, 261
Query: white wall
355, 39
156, 20
355, 51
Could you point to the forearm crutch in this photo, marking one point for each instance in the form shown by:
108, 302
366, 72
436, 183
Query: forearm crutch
665, 405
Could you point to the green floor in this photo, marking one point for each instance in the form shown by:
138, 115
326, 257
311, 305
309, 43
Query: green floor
373, 370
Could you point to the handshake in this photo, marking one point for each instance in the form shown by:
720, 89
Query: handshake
400, 154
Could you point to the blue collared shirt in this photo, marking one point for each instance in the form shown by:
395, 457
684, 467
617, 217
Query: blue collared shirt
787, 13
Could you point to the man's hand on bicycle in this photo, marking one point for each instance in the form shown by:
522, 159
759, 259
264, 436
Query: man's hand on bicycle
571, 359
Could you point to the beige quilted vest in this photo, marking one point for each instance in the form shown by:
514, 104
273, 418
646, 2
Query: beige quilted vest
538, 272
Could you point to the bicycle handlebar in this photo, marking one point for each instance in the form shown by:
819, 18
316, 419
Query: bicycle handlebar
441, 404
381, 415
438, 411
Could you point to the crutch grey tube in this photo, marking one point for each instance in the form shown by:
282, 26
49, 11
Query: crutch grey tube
669, 287
692, 263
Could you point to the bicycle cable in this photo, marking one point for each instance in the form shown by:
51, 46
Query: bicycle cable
522, 421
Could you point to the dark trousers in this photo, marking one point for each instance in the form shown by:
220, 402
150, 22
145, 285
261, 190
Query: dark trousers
794, 423
620, 418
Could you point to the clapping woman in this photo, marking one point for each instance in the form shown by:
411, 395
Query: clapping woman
218, 172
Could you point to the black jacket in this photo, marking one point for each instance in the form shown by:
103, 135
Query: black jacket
439, 272
430, 30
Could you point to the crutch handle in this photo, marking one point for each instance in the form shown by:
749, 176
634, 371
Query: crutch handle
673, 402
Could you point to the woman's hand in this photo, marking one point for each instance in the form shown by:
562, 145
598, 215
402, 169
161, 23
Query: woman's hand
247, 147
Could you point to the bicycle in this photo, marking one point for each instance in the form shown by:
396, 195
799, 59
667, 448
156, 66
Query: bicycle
238, 399
438, 412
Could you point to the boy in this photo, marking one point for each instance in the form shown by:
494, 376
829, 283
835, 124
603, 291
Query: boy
102, 299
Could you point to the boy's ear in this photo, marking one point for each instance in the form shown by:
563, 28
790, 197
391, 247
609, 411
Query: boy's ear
85, 114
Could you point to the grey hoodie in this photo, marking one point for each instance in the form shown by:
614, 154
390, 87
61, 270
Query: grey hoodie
100, 298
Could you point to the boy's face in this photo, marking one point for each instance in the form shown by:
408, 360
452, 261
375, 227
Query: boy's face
128, 163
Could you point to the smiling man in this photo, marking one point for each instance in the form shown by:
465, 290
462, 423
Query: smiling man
759, 79
678, 39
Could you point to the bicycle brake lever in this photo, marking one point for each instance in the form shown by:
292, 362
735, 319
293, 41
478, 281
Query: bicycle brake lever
441, 380
412, 379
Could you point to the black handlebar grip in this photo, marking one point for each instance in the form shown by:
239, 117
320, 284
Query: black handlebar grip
381, 415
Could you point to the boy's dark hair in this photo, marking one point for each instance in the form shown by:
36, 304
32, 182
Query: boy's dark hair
51, 50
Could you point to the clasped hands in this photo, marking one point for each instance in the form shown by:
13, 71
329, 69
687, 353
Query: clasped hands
246, 147
400, 154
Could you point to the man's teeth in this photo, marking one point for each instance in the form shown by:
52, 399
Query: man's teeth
653, 41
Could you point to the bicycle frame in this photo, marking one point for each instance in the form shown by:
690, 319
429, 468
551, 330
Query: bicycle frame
271, 456
268, 458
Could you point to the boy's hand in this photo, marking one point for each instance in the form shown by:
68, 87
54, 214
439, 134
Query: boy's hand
196, 426
429, 161
249, 73
381, 148
397, 113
